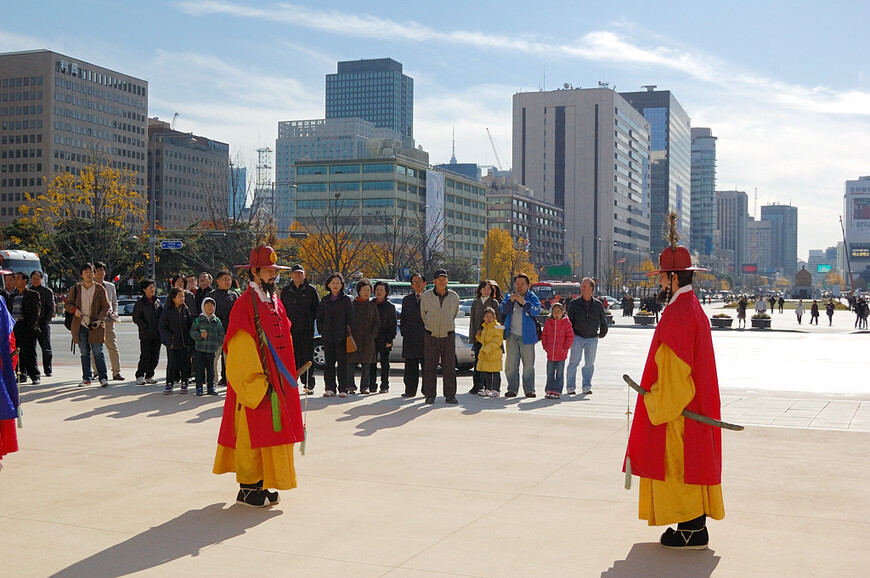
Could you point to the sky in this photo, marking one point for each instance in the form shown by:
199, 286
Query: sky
785, 86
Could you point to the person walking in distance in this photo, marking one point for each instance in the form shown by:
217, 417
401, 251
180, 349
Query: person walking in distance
262, 417
88, 303
439, 307
46, 313
300, 301
799, 310
24, 304
412, 329
111, 340
146, 316
589, 321
829, 311
814, 313
519, 311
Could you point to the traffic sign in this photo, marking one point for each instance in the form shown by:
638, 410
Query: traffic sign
171, 244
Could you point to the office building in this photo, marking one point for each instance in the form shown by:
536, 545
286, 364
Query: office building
391, 192
732, 218
59, 113
238, 192
190, 176
760, 246
784, 232
703, 192
373, 90
513, 207
565, 150
670, 160
856, 221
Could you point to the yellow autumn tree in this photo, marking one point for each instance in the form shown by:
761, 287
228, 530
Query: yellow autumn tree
503, 259
89, 216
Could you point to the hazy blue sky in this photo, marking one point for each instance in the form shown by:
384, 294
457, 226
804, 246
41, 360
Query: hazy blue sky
785, 86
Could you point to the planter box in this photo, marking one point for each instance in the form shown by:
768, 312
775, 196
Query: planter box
644, 319
721, 322
761, 323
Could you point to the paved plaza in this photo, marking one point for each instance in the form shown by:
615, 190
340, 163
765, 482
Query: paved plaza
118, 481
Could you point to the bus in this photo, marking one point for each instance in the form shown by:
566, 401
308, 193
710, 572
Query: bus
550, 291
23, 261
464, 290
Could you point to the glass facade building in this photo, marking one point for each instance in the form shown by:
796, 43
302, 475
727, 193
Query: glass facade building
703, 228
376, 91
671, 162
783, 238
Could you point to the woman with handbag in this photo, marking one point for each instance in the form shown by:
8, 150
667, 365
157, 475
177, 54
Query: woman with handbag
334, 318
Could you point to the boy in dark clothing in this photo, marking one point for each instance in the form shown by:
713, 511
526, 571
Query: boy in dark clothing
207, 332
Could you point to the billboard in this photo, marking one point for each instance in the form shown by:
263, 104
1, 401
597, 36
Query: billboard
857, 211
435, 212
859, 251
751, 268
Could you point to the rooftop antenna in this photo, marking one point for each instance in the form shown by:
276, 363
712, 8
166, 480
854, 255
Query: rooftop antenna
453, 156
755, 205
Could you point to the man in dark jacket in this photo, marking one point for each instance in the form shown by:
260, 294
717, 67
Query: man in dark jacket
46, 312
146, 316
590, 323
411, 326
300, 301
224, 299
24, 305
203, 290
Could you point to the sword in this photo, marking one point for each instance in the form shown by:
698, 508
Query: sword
686, 412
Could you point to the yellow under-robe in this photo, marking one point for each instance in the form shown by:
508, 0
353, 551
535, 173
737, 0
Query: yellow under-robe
671, 501
273, 464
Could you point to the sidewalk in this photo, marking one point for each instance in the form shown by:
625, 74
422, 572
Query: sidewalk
118, 481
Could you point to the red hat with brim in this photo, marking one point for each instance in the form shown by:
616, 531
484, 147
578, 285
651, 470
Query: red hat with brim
262, 257
675, 259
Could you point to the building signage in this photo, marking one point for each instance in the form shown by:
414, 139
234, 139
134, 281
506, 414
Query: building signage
751, 268
822, 268
171, 244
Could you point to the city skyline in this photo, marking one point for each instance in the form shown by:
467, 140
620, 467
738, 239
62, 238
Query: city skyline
791, 113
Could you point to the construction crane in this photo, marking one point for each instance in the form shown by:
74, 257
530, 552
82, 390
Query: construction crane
494, 150
172, 124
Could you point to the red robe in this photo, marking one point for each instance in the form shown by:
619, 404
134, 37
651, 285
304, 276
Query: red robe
276, 326
685, 328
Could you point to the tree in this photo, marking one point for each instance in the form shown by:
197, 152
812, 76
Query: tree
88, 216
335, 241
502, 260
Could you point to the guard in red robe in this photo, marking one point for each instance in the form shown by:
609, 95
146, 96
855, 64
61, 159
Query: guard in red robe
679, 460
9, 400
262, 417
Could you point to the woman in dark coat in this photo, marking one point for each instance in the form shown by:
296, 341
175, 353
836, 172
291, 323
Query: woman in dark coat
334, 317
386, 335
411, 326
364, 330
175, 323
146, 316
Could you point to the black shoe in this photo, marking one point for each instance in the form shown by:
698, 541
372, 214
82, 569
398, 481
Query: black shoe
451, 400
118, 377
36, 381
211, 391
531, 394
430, 400
47, 374
199, 391
685, 539
406, 394
384, 389
510, 393
254, 497
22, 379
474, 391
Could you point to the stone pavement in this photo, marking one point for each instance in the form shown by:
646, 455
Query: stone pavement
118, 481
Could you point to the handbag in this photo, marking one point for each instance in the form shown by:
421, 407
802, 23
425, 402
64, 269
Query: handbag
350, 343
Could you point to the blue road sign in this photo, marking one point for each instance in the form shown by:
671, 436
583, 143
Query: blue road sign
171, 244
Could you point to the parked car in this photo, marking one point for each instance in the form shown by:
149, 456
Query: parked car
125, 306
464, 354
465, 307
612, 302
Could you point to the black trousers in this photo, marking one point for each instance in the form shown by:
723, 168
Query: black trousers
44, 340
303, 352
204, 368
177, 365
149, 357
443, 350
476, 376
382, 355
412, 375
336, 355
25, 340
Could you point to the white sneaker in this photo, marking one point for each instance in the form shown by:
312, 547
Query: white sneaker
571, 390
483, 393
104, 383
342, 394
151, 381
140, 381
494, 393
328, 393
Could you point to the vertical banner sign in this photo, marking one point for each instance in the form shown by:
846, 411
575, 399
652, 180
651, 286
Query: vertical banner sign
435, 211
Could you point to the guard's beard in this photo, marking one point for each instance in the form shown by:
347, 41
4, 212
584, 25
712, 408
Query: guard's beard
664, 296
268, 287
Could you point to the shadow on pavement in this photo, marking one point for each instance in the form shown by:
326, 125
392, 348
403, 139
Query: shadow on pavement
186, 535
649, 559
404, 414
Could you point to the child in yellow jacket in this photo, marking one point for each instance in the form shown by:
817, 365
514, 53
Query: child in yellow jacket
489, 359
